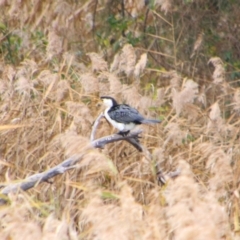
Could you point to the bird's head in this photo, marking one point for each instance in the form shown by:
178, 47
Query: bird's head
109, 101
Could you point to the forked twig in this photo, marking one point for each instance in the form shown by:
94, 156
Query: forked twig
162, 178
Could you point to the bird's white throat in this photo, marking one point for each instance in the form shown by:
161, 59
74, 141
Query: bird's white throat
107, 102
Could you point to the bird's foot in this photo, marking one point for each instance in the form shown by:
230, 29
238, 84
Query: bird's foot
124, 134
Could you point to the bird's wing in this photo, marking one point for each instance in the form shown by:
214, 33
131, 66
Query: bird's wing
125, 114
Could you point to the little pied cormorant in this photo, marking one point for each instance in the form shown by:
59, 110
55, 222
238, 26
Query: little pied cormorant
122, 116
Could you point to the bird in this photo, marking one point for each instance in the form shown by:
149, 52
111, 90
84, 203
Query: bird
122, 116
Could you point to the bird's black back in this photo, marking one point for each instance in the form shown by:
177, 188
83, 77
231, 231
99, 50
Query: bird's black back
123, 113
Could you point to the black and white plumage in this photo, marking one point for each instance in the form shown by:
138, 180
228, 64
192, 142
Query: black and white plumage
122, 116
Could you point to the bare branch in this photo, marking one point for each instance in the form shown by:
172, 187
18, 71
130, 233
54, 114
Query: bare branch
69, 163
132, 138
94, 127
35, 179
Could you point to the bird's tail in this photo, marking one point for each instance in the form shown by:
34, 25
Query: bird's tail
150, 121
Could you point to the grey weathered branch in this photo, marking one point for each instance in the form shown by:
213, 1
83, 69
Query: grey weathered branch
94, 127
131, 138
35, 179
69, 163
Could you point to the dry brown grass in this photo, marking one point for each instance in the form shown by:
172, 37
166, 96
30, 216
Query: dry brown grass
48, 104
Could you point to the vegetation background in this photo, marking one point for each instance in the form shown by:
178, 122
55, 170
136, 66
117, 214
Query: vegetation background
175, 60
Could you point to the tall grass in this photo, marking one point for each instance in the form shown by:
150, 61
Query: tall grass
50, 83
